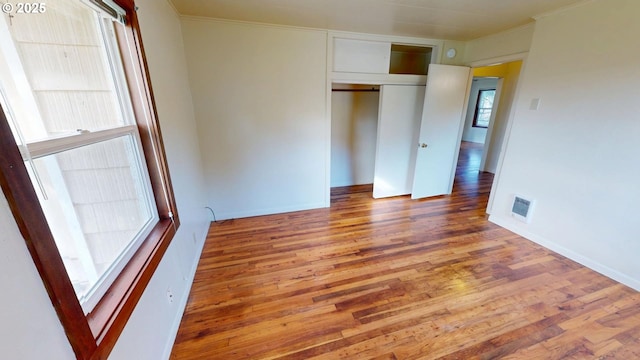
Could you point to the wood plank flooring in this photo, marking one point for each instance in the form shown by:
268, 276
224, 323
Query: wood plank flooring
399, 279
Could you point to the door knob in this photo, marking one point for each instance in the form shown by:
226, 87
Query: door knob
423, 145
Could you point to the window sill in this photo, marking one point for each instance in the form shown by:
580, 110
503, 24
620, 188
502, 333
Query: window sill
113, 311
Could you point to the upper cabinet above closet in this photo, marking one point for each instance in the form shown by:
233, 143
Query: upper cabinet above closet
382, 60
361, 56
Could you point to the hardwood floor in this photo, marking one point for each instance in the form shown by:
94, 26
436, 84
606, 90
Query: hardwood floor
399, 279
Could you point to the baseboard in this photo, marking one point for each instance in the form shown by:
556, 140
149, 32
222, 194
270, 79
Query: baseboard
581, 259
269, 211
182, 304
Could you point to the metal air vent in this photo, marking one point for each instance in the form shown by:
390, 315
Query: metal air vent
522, 208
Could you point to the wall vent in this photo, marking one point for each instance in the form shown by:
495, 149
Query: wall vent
522, 208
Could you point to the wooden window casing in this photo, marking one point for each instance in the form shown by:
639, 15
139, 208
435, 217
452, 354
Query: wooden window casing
93, 336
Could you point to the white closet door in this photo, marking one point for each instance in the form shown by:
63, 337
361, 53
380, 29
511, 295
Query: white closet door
398, 124
440, 130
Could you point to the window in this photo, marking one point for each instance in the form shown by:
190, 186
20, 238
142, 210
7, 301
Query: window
484, 105
83, 166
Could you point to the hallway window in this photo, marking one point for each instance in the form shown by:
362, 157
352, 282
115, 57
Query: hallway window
484, 105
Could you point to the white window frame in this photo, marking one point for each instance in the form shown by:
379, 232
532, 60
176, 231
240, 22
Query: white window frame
40, 149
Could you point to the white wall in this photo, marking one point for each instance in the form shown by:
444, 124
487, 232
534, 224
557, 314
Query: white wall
29, 327
354, 120
470, 133
506, 43
260, 102
577, 156
150, 332
459, 47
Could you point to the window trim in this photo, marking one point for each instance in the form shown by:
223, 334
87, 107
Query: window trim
93, 336
475, 115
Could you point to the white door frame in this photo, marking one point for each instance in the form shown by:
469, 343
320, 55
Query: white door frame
507, 133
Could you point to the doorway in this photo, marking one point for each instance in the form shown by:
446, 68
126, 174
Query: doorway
508, 75
504, 79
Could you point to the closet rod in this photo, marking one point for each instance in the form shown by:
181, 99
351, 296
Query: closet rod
357, 90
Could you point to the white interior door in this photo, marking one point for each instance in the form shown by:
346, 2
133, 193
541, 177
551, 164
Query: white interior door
440, 130
399, 117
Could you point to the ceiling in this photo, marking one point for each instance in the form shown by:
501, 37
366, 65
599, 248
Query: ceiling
438, 19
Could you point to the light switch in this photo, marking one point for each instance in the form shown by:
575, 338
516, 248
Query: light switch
535, 104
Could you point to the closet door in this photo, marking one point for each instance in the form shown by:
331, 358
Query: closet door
440, 130
398, 123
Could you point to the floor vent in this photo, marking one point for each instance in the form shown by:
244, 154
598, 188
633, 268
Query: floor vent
522, 208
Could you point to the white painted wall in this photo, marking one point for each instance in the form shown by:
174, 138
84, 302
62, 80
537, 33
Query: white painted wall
470, 133
513, 41
29, 327
150, 332
354, 120
459, 47
260, 102
577, 155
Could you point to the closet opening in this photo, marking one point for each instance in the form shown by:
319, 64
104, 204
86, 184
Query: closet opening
354, 126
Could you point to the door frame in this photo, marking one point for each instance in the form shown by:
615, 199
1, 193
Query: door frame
507, 133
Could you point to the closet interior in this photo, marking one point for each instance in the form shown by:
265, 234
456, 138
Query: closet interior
354, 123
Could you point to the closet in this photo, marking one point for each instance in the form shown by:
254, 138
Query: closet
414, 137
